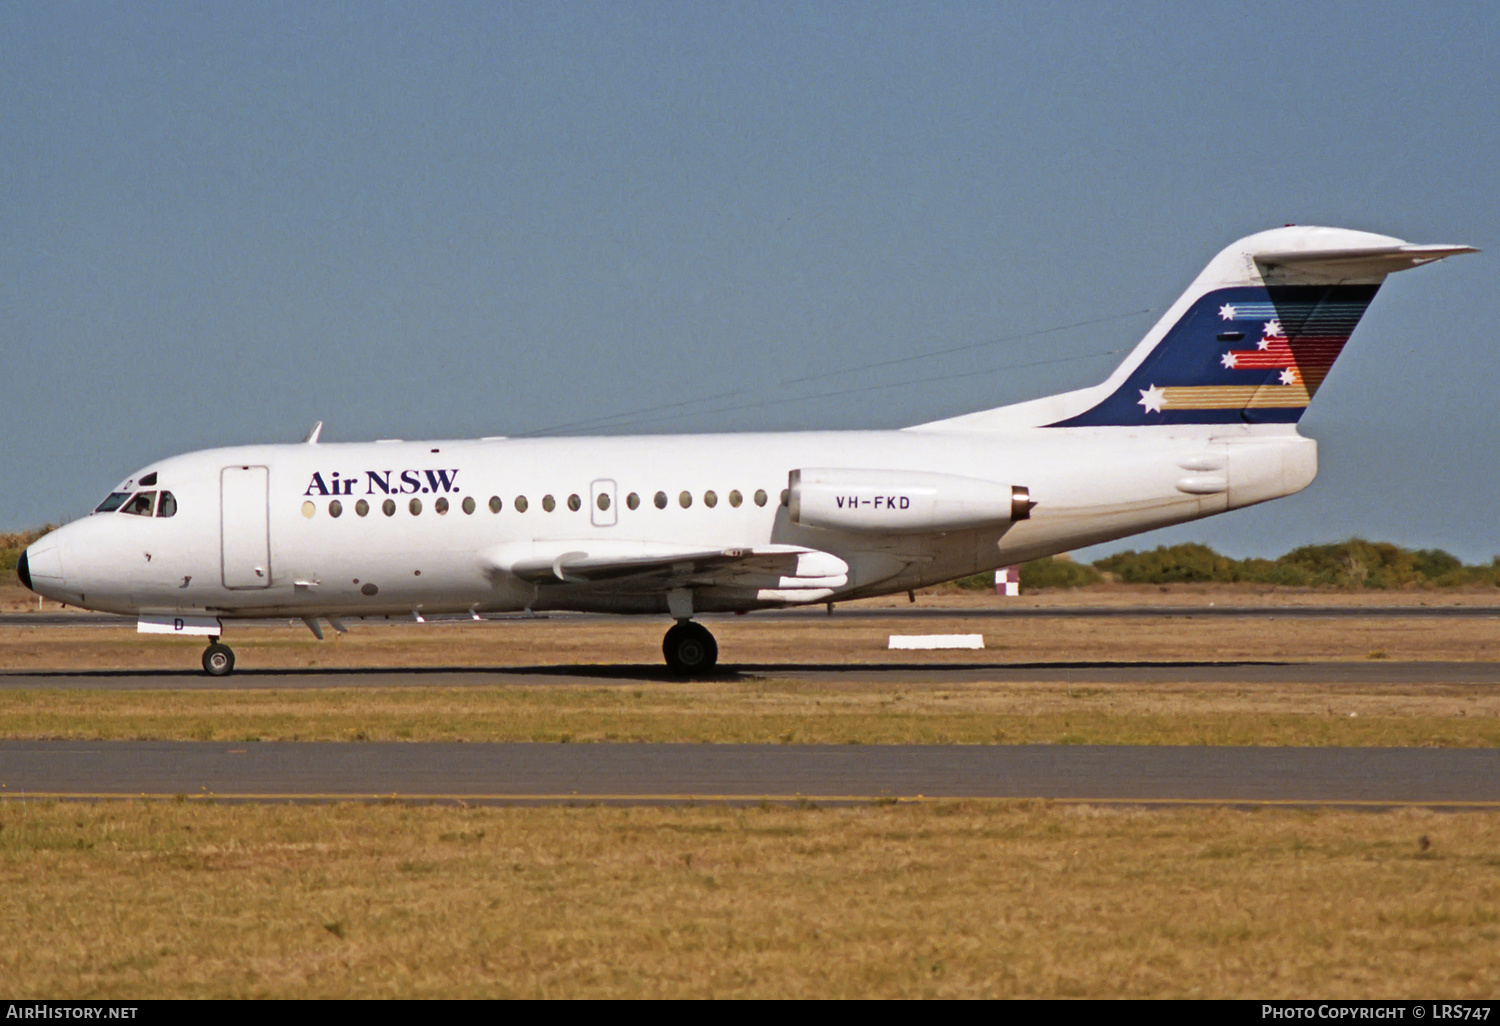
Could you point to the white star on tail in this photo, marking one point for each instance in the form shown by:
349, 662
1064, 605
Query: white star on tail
1289, 377
1273, 328
1230, 360
1227, 312
1152, 398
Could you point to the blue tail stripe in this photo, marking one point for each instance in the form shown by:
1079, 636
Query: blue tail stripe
1239, 355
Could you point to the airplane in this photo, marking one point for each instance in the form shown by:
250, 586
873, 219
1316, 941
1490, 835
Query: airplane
1200, 418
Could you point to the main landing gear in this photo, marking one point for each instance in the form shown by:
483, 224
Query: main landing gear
689, 648
218, 660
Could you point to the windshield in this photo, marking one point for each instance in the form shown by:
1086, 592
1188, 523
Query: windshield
112, 503
142, 505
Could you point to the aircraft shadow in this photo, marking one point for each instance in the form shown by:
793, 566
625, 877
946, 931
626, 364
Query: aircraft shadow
650, 672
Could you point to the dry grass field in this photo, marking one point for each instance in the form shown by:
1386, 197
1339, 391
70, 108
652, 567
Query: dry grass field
973, 899
960, 899
774, 710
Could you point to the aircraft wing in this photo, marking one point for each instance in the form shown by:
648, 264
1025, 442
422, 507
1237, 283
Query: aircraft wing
649, 568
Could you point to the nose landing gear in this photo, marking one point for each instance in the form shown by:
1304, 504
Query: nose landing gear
690, 648
218, 660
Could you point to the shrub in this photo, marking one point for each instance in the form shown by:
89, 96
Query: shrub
1170, 564
1057, 572
13, 543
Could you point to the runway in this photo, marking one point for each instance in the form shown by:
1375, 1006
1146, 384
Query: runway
651, 773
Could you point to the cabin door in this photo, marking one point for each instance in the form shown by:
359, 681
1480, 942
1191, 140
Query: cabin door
244, 527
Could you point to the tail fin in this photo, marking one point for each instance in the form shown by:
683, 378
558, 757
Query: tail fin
1253, 338
1250, 340
1239, 354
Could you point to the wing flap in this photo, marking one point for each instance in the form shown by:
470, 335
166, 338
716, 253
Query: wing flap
643, 567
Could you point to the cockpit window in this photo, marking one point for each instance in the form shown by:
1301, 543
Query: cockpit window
149, 480
142, 505
168, 505
112, 503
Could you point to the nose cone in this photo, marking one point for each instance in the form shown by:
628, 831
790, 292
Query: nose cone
40, 566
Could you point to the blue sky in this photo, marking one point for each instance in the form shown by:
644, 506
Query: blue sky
220, 223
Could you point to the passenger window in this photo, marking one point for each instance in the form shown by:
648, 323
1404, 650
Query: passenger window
603, 500
710, 499
661, 500
574, 502
335, 509
549, 503
633, 500
308, 509
415, 506
441, 506
469, 504
495, 504
388, 507
362, 508
521, 504
735, 498
760, 496
167, 507
112, 502
685, 499
142, 505
786, 496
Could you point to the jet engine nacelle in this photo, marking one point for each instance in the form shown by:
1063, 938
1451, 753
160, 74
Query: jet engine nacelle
899, 501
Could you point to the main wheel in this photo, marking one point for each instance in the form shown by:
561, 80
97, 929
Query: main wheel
218, 660
690, 648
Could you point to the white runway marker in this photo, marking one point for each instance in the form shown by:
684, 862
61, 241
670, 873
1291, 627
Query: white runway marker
937, 641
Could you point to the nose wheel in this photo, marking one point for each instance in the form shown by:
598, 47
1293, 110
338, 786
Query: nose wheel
690, 648
218, 660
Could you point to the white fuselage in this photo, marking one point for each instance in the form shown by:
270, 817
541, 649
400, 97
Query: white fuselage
1087, 486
